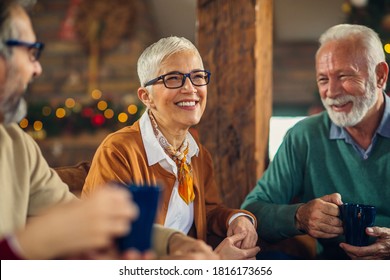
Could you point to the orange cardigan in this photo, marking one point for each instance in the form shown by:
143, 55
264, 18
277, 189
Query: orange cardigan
121, 157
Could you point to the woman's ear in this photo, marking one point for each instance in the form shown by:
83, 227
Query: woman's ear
144, 96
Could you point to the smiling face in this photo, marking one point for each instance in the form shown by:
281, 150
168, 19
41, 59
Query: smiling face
18, 71
348, 88
176, 109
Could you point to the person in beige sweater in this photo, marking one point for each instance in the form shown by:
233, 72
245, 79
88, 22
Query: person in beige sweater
39, 217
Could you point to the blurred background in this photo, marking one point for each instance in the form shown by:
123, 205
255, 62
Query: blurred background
89, 81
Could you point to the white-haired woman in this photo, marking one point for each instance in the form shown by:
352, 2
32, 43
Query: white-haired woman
159, 149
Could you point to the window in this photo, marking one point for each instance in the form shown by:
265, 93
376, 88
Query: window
278, 128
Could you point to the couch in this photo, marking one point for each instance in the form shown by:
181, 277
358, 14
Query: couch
74, 176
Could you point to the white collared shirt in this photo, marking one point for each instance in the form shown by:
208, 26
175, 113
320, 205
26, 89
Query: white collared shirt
180, 216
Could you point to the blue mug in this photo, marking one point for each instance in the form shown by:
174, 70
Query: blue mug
140, 235
356, 218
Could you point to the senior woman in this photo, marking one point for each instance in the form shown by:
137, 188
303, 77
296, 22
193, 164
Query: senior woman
159, 149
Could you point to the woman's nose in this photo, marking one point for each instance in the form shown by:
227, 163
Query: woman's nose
188, 85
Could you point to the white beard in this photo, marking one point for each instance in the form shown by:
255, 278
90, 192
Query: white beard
15, 114
361, 105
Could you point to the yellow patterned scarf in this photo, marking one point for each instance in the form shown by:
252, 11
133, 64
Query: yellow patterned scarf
185, 177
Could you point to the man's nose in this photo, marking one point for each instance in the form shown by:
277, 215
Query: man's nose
334, 87
37, 69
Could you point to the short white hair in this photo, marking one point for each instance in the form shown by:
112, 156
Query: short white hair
150, 60
369, 39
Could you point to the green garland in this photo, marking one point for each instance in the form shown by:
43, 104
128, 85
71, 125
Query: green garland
50, 120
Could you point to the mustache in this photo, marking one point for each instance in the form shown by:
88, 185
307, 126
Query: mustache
340, 100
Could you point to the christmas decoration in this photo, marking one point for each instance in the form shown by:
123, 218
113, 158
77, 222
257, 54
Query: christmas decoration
386, 22
67, 31
46, 119
99, 25
359, 3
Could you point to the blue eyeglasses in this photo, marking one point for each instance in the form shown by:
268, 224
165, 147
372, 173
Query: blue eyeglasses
177, 79
35, 49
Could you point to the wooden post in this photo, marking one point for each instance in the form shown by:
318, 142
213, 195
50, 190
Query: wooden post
235, 41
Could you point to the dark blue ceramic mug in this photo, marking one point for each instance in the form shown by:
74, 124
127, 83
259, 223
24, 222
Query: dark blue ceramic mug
356, 218
140, 235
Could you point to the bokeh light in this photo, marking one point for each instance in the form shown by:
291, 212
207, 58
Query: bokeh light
123, 117
23, 123
38, 125
108, 114
70, 103
387, 48
346, 8
132, 109
98, 120
96, 94
102, 105
60, 113
46, 111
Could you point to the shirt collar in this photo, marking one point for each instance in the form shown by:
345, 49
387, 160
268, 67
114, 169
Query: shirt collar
337, 132
154, 152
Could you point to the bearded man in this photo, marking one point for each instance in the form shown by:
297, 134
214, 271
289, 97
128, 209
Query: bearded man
340, 155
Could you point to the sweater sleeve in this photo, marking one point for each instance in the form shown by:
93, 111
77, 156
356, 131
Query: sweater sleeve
47, 188
271, 198
7, 250
160, 239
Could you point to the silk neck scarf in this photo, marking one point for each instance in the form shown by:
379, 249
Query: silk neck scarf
179, 156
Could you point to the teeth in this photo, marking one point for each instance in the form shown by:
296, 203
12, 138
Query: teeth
338, 105
186, 104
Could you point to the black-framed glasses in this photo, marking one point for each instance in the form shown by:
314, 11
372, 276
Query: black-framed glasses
176, 79
35, 49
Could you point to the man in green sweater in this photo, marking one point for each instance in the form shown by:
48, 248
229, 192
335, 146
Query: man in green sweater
341, 155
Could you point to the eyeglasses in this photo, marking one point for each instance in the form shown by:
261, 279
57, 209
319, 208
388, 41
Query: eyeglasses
177, 79
34, 49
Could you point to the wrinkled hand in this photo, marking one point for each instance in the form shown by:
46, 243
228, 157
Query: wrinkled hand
378, 251
319, 217
79, 226
185, 247
242, 224
228, 249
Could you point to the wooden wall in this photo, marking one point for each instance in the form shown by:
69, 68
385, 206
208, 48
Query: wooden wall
66, 64
66, 61
294, 73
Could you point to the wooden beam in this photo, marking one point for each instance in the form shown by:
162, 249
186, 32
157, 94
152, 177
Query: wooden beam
235, 41
263, 78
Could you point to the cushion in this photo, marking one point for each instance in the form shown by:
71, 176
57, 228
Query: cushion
74, 176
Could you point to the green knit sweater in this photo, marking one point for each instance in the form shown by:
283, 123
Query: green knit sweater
309, 165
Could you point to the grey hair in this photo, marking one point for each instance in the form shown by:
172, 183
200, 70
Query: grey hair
7, 31
369, 39
150, 61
